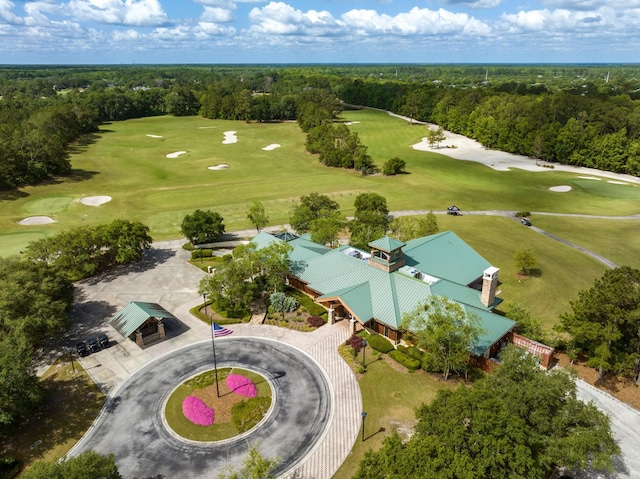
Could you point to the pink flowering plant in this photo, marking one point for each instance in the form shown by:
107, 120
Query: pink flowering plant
197, 411
242, 386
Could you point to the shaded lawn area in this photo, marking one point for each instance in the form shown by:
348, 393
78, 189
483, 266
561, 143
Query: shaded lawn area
73, 402
389, 397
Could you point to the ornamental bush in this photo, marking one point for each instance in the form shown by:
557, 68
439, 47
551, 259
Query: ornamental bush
282, 303
315, 321
406, 361
356, 343
380, 343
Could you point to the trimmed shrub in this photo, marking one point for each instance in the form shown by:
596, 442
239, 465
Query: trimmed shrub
315, 321
520, 214
201, 253
380, 343
406, 361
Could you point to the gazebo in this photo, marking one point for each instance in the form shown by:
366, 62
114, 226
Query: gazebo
141, 322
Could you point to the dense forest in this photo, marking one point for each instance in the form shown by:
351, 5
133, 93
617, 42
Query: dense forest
585, 115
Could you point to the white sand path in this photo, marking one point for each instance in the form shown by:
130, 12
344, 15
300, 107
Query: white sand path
462, 148
230, 138
272, 146
175, 154
36, 220
95, 200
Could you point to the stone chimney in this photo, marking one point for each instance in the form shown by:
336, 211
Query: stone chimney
489, 285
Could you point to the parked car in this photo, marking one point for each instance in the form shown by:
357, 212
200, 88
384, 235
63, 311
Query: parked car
103, 340
93, 344
81, 348
525, 222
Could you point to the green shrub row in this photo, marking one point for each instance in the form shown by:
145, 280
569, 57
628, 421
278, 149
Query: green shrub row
408, 362
411, 351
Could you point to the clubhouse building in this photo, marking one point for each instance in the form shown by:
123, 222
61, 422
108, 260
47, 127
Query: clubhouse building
374, 288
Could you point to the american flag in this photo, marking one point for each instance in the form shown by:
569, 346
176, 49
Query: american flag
219, 331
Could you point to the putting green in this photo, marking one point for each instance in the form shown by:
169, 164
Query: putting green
48, 206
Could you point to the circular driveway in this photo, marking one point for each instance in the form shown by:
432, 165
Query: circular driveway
131, 424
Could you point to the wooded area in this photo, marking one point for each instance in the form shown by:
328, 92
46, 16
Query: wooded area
573, 114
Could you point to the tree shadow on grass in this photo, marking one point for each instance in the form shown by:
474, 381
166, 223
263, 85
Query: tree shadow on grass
72, 403
12, 195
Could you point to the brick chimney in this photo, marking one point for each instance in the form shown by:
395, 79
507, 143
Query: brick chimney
489, 285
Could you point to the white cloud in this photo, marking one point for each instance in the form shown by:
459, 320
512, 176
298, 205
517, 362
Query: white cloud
560, 20
418, 21
474, 4
586, 5
7, 15
216, 15
278, 18
128, 12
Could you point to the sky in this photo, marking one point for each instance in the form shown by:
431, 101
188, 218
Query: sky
319, 31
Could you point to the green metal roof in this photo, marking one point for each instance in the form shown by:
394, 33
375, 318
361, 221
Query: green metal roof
134, 315
387, 244
446, 256
494, 328
372, 293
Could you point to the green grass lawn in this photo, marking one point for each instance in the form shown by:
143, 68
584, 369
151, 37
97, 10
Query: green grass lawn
389, 398
616, 240
123, 162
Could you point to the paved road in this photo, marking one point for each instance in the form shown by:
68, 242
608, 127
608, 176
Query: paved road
131, 425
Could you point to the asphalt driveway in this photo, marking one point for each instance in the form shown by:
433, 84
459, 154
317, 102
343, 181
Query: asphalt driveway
131, 425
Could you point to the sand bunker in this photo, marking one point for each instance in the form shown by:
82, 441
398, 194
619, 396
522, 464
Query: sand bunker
36, 220
95, 200
154, 136
206, 127
617, 182
230, 137
272, 146
589, 178
351, 123
221, 166
175, 154
560, 189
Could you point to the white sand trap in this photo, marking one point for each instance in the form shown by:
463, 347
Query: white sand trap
95, 200
617, 182
589, 178
206, 127
36, 220
351, 123
230, 137
560, 189
154, 136
175, 154
221, 166
272, 146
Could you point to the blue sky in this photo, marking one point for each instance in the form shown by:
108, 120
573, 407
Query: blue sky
319, 31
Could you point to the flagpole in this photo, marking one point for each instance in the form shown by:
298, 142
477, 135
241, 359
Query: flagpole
213, 345
215, 363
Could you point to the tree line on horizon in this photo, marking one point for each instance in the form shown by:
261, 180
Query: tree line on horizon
565, 114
